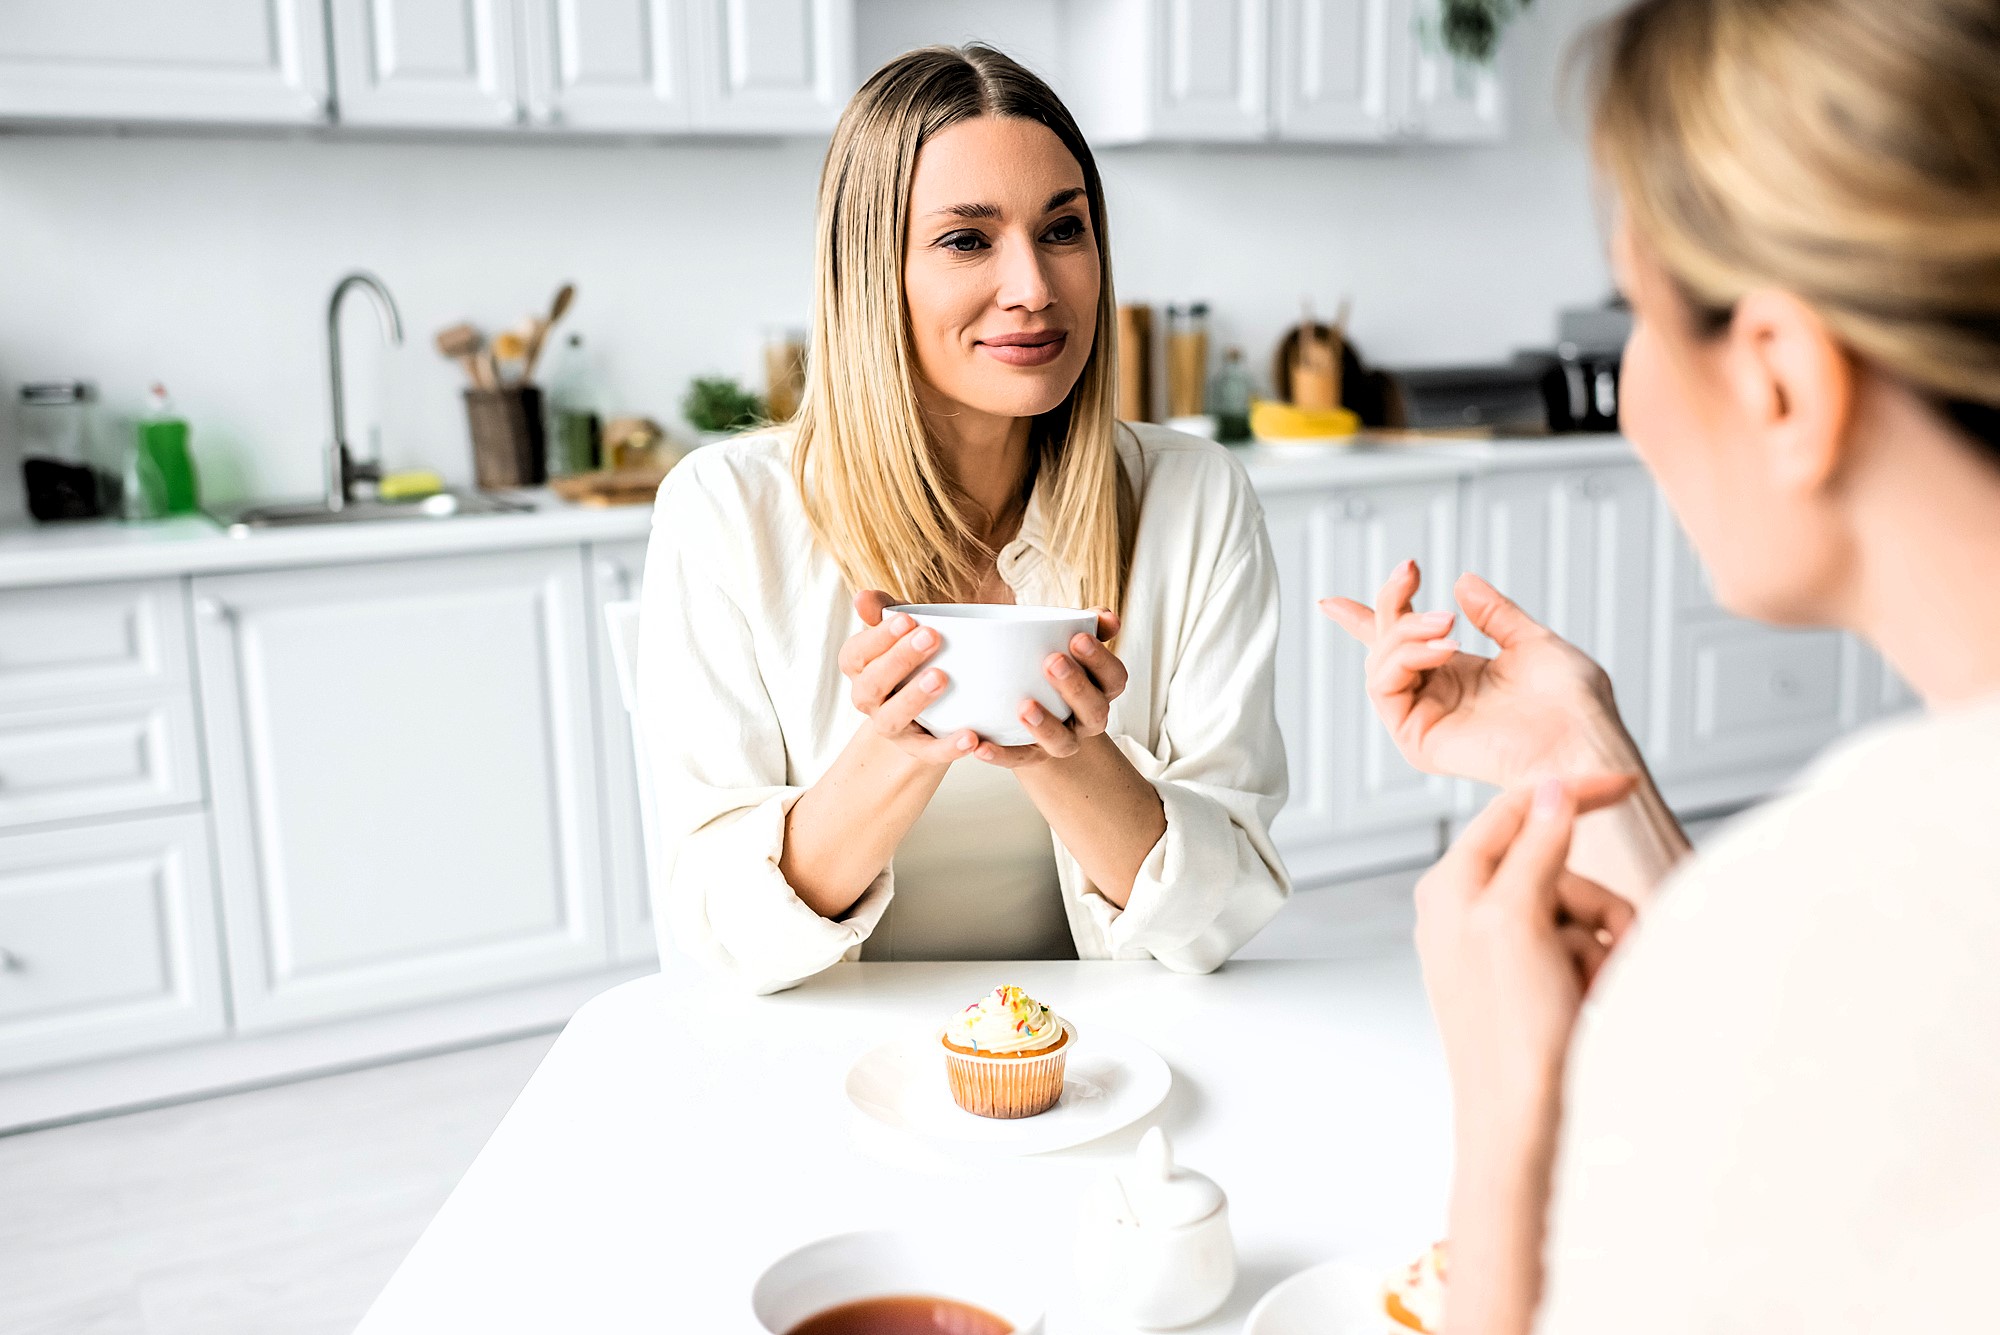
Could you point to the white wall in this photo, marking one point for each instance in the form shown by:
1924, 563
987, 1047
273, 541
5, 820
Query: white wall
204, 262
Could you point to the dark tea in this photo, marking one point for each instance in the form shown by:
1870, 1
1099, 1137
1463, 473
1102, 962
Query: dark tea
910, 1315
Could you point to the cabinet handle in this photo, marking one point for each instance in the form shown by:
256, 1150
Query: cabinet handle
615, 574
1356, 509
212, 609
1784, 684
10, 962
1591, 487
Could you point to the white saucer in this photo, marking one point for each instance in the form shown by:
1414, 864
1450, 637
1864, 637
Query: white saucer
1110, 1081
1342, 1297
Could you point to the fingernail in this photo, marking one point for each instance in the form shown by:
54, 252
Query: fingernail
1438, 618
1451, 645
924, 638
1082, 644
1060, 666
1033, 715
967, 742
1548, 798
900, 624
933, 680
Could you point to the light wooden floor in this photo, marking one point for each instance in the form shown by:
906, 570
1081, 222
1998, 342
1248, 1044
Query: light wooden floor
273, 1212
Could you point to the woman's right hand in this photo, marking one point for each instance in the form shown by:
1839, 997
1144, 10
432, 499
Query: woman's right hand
1541, 709
878, 660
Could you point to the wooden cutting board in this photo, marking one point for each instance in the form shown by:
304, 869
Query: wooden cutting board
608, 487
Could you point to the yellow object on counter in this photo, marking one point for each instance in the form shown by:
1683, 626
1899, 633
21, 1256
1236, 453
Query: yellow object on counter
1270, 420
410, 485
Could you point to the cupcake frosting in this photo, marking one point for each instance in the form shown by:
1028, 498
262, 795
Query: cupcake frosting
1004, 1020
1414, 1295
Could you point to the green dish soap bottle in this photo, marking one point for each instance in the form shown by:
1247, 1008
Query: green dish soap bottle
165, 468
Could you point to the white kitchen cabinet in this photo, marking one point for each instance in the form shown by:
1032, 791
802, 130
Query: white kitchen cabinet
1332, 70
617, 575
424, 63
107, 941
771, 66
1574, 547
403, 777
1441, 100
244, 61
619, 65
1355, 802
1182, 71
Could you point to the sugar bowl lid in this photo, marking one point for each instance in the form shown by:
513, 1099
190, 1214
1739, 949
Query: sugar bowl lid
1152, 1192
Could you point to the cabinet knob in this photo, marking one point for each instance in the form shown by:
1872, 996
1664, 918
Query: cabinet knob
1591, 487
211, 609
1356, 508
1784, 685
10, 962
617, 576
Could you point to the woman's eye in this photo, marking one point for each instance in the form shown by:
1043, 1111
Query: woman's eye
963, 242
1064, 229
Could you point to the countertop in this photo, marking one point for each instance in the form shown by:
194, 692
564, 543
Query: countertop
680, 1136
53, 554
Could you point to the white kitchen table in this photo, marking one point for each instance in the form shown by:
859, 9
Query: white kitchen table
680, 1136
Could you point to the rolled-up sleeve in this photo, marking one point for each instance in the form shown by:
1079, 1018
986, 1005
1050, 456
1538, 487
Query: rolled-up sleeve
1214, 879
715, 751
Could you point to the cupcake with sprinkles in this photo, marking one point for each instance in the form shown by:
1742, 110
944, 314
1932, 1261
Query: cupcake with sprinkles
1004, 1055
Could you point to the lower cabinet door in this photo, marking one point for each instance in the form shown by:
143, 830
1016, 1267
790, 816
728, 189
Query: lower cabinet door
404, 782
618, 570
107, 941
1749, 704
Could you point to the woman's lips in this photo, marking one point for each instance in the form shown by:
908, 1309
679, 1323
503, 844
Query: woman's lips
1026, 349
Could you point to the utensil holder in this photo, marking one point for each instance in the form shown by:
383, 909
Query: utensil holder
509, 440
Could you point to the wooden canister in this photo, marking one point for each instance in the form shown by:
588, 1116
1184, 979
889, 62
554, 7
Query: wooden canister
509, 442
1135, 363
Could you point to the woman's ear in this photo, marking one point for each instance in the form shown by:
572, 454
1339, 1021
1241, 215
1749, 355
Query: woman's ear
1794, 385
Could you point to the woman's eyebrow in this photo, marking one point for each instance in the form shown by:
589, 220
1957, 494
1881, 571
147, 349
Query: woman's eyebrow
1062, 197
968, 211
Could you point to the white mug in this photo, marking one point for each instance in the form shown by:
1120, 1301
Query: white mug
851, 1267
992, 655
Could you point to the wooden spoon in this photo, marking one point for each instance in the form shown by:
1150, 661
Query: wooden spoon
462, 344
557, 309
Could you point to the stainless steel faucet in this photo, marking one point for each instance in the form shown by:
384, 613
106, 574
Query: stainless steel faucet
342, 472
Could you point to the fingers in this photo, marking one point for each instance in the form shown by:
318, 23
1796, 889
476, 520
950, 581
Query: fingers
865, 646
1054, 739
1585, 951
1534, 860
882, 676
1090, 710
1357, 619
1393, 600
1486, 837
1407, 650
1497, 616
1586, 904
1594, 792
870, 604
1103, 666
1109, 623
898, 710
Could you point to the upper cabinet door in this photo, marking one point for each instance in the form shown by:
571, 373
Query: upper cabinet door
774, 66
608, 65
1332, 60
426, 62
1444, 100
139, 60
1211, 80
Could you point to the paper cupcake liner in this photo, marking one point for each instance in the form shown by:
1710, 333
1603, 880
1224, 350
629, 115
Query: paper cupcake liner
1005, 1087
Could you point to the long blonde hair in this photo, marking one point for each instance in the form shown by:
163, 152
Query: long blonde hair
877, 496
1846, 151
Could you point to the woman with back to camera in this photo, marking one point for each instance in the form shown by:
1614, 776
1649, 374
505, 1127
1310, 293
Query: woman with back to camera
1780, 1110
957, 444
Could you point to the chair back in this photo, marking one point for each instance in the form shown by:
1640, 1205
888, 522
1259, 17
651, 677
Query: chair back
621, 625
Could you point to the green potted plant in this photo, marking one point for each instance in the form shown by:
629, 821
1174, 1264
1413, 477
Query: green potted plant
717, 406
1469, 30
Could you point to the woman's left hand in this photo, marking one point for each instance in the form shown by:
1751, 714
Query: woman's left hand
1088, 678
1511, 941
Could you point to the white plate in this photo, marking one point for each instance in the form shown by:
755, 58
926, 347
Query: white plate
1110, 1081
1341, 1297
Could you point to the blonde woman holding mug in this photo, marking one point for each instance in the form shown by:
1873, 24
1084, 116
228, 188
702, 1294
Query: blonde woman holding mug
1780, 1109
958, 444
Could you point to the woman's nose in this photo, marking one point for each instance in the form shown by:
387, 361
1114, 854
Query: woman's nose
1024, 283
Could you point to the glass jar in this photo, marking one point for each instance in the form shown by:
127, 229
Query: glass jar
60, 472
1187, 360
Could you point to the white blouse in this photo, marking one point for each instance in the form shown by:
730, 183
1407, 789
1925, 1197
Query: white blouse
1783, 1105
743, 707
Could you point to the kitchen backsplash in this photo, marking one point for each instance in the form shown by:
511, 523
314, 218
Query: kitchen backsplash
204, 262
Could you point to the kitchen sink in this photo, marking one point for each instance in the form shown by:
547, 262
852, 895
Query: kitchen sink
443, 505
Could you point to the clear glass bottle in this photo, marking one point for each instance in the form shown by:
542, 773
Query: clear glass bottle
1187, 360
575, 429
60, 472
1229, 396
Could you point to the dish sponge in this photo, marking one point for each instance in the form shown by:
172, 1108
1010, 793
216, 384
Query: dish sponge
410, 485
1270, 420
